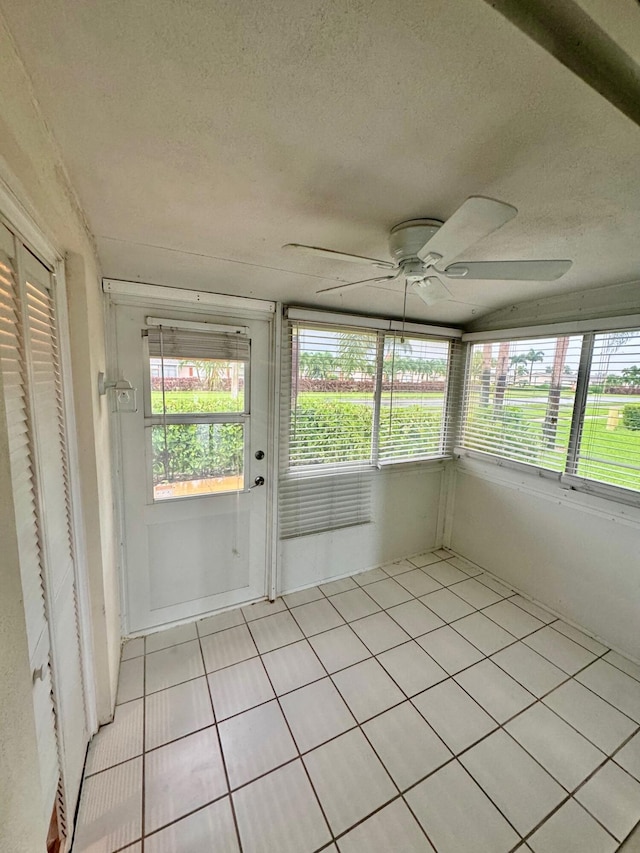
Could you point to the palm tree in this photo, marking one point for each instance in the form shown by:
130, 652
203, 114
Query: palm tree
325, 365
394, 350
517, 361
550, 426
610, 345
355, 351
209, 371
502, 370
533, 356
485, 376
631, 375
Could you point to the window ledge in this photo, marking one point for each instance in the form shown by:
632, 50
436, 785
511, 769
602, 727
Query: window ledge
568, 482
600, 490
417, 462
502, 462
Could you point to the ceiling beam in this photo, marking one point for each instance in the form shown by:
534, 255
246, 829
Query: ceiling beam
569, 34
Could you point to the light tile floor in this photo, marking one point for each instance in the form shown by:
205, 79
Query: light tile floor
420, 706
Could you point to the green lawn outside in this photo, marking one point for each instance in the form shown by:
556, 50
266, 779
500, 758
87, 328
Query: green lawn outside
599, 442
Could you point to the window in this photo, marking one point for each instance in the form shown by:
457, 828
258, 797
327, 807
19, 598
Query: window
361, 397
332, 396
197, 409
519, 398
569, 404
609, 445
412, 406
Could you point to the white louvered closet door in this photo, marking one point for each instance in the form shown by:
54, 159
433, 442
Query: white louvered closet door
46, 384
13, 365
30, 363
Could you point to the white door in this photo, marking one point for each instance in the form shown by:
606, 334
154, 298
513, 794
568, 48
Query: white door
194, 520
32, 386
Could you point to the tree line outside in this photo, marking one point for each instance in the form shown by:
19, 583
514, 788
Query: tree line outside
332, 402
329, 366
334, 428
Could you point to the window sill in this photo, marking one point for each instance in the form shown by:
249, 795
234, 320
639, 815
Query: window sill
568, 482
600, 490
307, 472
416, 462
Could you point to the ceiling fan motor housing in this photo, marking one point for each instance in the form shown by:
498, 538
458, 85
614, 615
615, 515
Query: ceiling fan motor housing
407, 238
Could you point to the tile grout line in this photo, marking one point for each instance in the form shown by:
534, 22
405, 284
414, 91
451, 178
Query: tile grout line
284, 716
222, 755
298, 757
290, 609
419, 781
144, 735
327, 596
499, 725
451, 676
570, 794
453, 758
359, 726
608, 756
635, 827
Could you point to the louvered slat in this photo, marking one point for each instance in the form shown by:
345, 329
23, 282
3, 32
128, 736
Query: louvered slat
12, 364
47, 395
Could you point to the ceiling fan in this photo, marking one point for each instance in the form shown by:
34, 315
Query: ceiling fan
423, 249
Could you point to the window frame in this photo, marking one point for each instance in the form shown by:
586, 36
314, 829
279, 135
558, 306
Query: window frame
374, 462
567, 478
152, 419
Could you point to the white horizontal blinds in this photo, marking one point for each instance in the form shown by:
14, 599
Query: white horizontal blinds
413, 395
23, 486
189, 344
333, 377
518, 399
320, 503
323, 487
55, 500
609, 447
199, 405
454, 396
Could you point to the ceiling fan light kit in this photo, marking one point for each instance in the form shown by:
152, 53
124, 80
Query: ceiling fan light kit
423, 249
430, 290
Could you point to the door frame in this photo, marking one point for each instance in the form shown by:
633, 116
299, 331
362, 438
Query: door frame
153, 297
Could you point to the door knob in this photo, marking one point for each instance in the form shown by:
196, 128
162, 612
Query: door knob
259, 481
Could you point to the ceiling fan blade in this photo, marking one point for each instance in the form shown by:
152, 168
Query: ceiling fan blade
431, 290
359, 283
509, 270
476, 218
340, 256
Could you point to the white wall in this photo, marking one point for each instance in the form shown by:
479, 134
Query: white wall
578, 554
405, 510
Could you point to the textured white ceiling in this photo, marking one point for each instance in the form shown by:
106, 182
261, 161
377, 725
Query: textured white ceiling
201, 136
